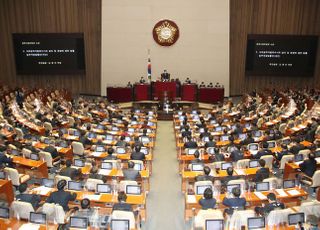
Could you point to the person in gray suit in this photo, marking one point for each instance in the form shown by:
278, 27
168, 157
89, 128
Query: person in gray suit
33, 199
131, 173
206, 176
122, 205
69, 171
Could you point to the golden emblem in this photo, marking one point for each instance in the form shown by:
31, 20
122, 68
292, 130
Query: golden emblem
166, 33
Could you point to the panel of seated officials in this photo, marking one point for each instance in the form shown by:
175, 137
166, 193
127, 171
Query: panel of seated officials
235, 157
97, 164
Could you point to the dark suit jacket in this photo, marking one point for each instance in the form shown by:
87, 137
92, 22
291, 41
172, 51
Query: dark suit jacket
204, 178
261, 153
262, 174
69, 172
296, 148
207, 203
52, 150
308, 167
272, 206
30, 198
122, 207
131, 174
191, 144
137, 156
165, 76
234, 202
62, 198
4, 159
85, 141
210, 144
236, 155
122, 144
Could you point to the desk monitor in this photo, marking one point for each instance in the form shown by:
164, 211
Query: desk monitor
180, 112
262, 186
256, 223
78, 163
91, 135
127, 139
242, 136
201, 130
47, 141
106, 165
232, 186
49, 183
247, 125
3, 175
214, 224
109, 137
100, 148
225, 120
218, 129
120, 224
201, 188
37, 218
225, 166
213, 122
145, 139
295, 218
15, 152
130, 130
191, 151
74, 185
254, 164
78, 222
257, 133
150, 123
271, 144
103, 188
138, 166
4, 213
205, 139
34, 156
144, 150
224, 138
286, 141
63, 144
196, 167
115, 128
133, 190
77, 133
100, 127
253, 147
120, 150
298, 157
289, 184
64, 131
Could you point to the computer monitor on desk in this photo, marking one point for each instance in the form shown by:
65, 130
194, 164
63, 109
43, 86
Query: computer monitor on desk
103, 188
262, 186
133, 190
230, 187
3, 175
196, 167
120, 224
214, 225
295, 218
78, 222
120, 150
289, 184
34, 156
256, 223
201, 188
100, 148
106, 165
38, 218
254, 164
74, 185
225, 166
78, 163
4, 213
49, 183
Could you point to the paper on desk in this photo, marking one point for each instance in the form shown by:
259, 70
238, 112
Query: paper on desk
58, 148
42, 190
281, 192
298, 162
240, 171
92, 197
295, 129
191, 199
29, 226
293, 192
96, 154
104, 172
260, 196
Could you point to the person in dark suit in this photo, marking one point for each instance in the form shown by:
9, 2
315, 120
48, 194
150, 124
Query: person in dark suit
137, 154
85, 211
131, 173
196, 159
263, 172
137, 142
61, 197
165, 76
309, 166
296, 147
236, 154
272, 205
229, 177
52, 150
263, 152
5, 161
69, 171
235, 202
283, 152
33, 199
122, 205
122, 142
217, 155
190, 143
94, 174
186, 132
206, 176
207, 202
84, 139
248, 140
110, 151
210, 143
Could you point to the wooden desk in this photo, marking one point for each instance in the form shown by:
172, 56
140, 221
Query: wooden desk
37, 169
63, 152
6, 191
15, 224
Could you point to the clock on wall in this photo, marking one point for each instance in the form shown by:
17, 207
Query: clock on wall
165, 32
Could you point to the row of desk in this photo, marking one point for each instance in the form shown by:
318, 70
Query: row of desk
156, 91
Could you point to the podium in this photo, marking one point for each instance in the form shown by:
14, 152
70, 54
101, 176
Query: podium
189, 92
119, 94
210, 95
142, 92
159, 87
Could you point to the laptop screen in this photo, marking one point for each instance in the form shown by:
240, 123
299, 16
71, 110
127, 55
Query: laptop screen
127, 139
109, 137
100, 148
144, 150
130, 130
271, 144
145, 139
253, 147
295, 218
121, 150
76, 133
257, 133
133, 189
78, 222
262, 186
254, 164
15, 152
205, 138
224, 166
63, 144
106, 165
218, 128
289, 184
231, 186
2, 175
256, 222
91, 135
196, 167
286, 141
191, 151
47, 141
78, 162
115, 129
201, 188
214, 225
37, 218
298, 157
73, 185
247, 125
34, 156
242, 136
120, 224
103, 188
100, 127
49, 183
224, 138
4, 213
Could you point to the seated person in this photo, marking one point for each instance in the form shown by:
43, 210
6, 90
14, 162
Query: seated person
61, 197
206, 176
142, 80
94, 174
235, 202
33, 199
186, 132
309, 166
217, 155
187, 81
229, 177
296, 147
263, 172
86, 211
217, 85
202, 85
210, 143
249, 139
131, 173
210, 85
137, 142
52, 150
122, 205
68, 171
122, 142
272, 205
5, 161
165, 76
283, 152
236, 154
84, 139
263, 152
196, 159
110, 151
190, 143
137, 154
207, 201
205, 133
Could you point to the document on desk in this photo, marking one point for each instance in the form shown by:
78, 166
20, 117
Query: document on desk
42, 190
96, 154
92, 197
191, 199
58, 148
293, 192
105, 172
29, 226
281, 193
260, 195
239, 172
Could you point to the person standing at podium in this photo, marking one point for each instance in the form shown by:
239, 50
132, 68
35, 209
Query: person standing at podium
165, 76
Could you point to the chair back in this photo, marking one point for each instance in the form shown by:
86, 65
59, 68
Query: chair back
282, 128
243, 163
278, 216
26, 152
239, 218
91, 184
124, 215
21, 209
316, 179
19, 133
115, 163
47, 126
48, 209
310, 208
46, 157
13, 175
269, 160
59, 214
305, 153
77, 148
124, 183
70, 121
203, 215
242, 183
285, 159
